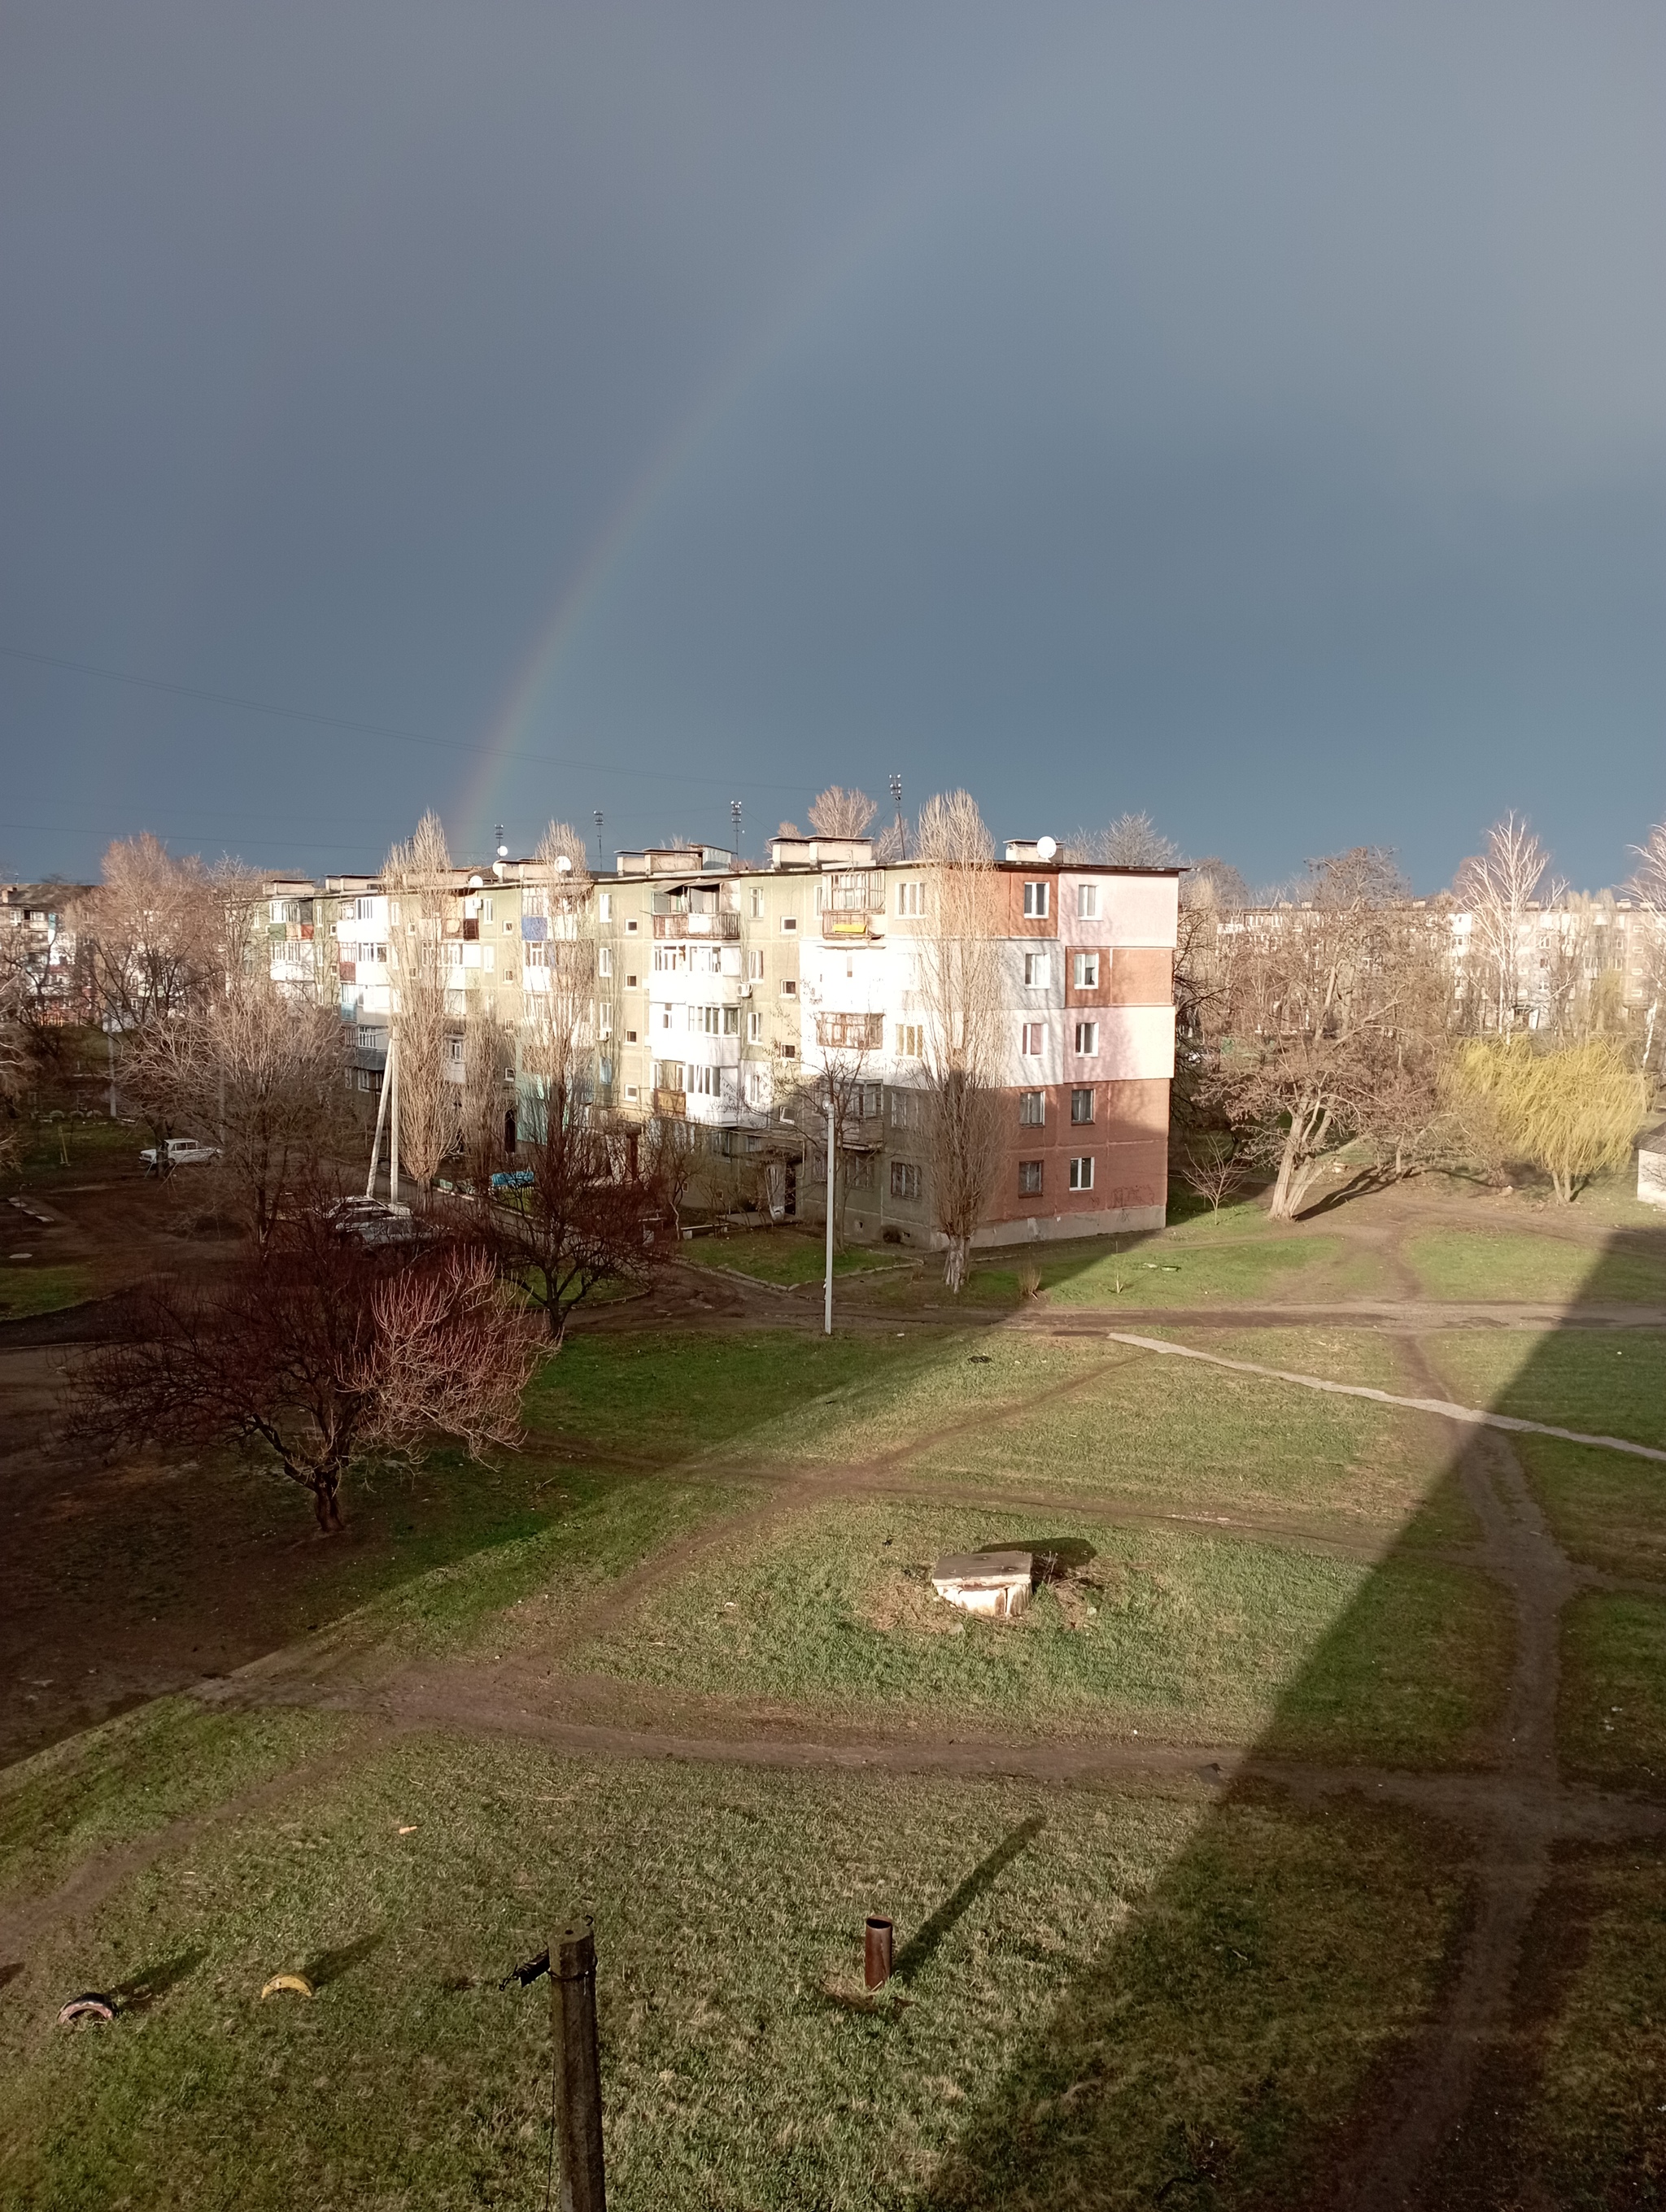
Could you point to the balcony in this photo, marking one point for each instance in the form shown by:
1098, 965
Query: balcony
673, 1104
725, 928
845, 927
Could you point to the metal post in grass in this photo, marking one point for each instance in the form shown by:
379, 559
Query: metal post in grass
877, 1942
827, 1301
578, 2074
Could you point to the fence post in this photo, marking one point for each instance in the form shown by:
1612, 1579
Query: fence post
578, 2075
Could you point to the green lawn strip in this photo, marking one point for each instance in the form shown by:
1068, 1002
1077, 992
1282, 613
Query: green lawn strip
1158, 1274
1583, 2127
25, 1290
1600, 1381
122, 1781
1611, 1714
1199, 1638
1483, 1264
1183, 1435
785, 1255
663, 1396
1239, 1972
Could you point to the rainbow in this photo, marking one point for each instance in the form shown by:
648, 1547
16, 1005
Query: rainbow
881, 231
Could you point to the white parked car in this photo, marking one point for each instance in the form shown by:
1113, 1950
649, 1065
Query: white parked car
372, 1220
182, 1152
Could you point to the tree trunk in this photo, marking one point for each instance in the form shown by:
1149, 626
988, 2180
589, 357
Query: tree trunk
1308, 1124
955, 1254
326, 1504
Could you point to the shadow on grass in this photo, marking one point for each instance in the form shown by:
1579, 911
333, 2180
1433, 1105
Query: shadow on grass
152, 1984
923, 1945
326, 1967
1328, 1981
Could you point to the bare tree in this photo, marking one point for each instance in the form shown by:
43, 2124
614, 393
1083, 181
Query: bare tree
1132, 841
837, 813
1317, 996
320, 1353
1496, 887
1647, 887
960, 997
418, 880
585, 1219
488, 1059
263, 1076
1209, 1164
151, 934
834, 1077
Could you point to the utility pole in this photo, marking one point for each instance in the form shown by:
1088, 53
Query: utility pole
902, 827
393, 1115
598, 819
734, 817
827, 1301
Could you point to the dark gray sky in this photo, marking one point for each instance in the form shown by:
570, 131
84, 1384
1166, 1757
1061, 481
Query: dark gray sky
1255, 414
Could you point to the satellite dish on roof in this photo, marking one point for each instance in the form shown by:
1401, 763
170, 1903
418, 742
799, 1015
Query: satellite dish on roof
474, 883
564, 866
1046, 848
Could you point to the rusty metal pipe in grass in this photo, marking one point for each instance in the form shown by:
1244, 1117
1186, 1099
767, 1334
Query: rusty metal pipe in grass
878, 1941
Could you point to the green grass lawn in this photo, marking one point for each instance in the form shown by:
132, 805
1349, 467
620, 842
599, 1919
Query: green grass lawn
1611, 1723
28, 1289
1194, 1637
1240, 1974
1601, 1382
1483, 1264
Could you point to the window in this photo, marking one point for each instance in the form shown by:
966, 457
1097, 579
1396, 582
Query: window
706, 1082
485, 909
1087, 971
868, 1103
604, 1021
754, 967
910, 1041
1031, 1042
665, 1018
908, 1110
633, 1092
789, 922
630, 928
1081, 1106
788, 1051
756, 895
1081, 1173
368, 1040
758, 1086
789, 988
1030, 1178
631, 982
607, 911
1038, 969
1087, 1038
490, 956
668, 1075
906, 1181
911, 900
454, 1050
1033, 1109
1087, 902
1036, 902
754, 1028
631, 1036
509, 929
605, 960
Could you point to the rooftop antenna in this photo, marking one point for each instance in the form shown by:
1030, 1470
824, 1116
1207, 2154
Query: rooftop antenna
503, 854
734, 817
598, 819
902, 827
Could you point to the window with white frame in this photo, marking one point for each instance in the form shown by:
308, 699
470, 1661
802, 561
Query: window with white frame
668, 1074
908, 1179
1038, 902
632, 925
1087, 902
908, 1110
605, 1020
755, 897
754, 1027
910, 1041
488, 956
1081, 1104
1087, 1038
789, 988
485, 909
1081, 1172
1087, 971
1038, 969
665, 1018
1033, 1109
607, 906
605, 960
911, 900
1030, 1040
1030, 1178
758, 1086
633, 1092
789, 922
454, 1050
754, 967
